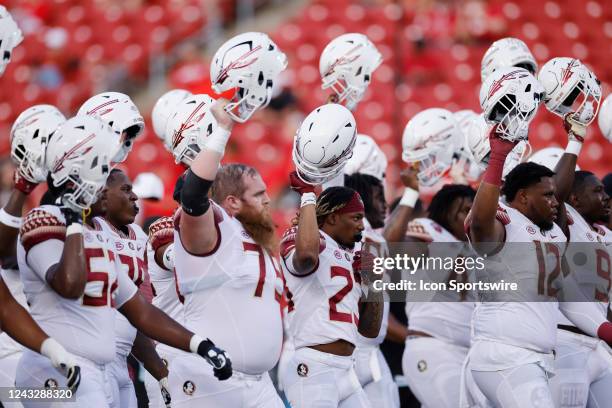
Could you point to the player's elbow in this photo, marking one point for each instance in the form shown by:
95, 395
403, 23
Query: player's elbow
305, 263
67, 285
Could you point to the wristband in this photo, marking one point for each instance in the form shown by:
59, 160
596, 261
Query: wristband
217, 140
74, 228
9, 220
168, 257
194, 343
51, 349
409, 198
573, 147
307, 199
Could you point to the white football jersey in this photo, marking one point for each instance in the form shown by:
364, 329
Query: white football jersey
130, 259
591, 270
165, 291
324, 305
446, 320
377, 245
536, 266
232, 294
85, 326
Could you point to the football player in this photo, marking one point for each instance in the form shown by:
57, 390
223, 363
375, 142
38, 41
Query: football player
70, 277
439, 329
114, 215
224, 265
29, 136
326, 311
370, 364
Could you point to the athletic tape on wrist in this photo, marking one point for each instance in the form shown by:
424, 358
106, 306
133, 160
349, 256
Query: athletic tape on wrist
307, 199
217, 140
194, 343
74, 228
573, 147
51, 349
9, 220
409, 198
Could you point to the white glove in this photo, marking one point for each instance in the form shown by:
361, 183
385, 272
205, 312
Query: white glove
63, 361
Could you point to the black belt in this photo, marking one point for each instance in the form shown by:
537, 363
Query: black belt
572, 329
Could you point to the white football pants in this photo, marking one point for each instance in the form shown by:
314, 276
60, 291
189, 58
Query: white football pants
375, 377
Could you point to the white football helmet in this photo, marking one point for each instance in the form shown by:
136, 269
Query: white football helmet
430, 140
465, 159
10, 37
29, 137
120, 113
605, 118
570, 87
189, 126
510, 98
80, 153
163, 109
477, 137
505, 53
368, 158
250, 62
548, 157
323, 143
346, 66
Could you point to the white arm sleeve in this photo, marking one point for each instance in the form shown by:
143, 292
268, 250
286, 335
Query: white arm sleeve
44, 255
126, 289
587, 316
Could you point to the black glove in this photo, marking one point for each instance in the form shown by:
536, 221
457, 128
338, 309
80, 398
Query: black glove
73, 378
222, 365
71, 214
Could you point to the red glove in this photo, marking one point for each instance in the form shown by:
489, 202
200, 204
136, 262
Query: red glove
363, 265
297, 184
500, 148
22, 184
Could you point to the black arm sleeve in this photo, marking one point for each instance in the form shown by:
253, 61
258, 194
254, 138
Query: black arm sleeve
194, 194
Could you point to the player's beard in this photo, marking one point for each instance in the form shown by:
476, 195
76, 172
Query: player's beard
260, 227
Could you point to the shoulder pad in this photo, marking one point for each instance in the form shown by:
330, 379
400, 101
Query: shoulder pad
40, 225
161, 232
502, 216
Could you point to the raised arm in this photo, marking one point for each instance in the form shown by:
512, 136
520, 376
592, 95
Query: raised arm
306, 239
10, 215
483, 226
566, 167
397, 224
197, 226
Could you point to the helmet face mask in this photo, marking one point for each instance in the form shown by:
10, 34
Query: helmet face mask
510, 98
30, 135
251, 63
571, 88
430, 141
324, 143
79, 159
189, 126
346, 66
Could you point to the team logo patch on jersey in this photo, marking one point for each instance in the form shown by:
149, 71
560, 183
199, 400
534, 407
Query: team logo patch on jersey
131, 245
337, 254
348, 258
531, 230
100, 238
119, 246
189, 387
51, 383
589, 236
245, 234
422, 366
302, 370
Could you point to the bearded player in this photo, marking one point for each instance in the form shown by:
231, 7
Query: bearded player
115, 213
227, 275
70, 277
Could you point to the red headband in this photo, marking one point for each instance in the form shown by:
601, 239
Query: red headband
354, 205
